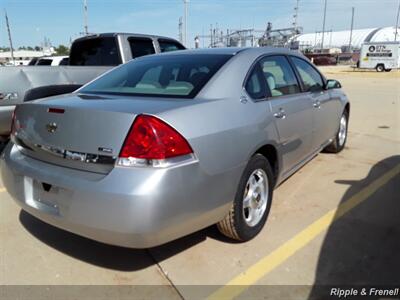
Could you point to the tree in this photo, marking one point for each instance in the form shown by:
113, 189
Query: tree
62, 50
37, 48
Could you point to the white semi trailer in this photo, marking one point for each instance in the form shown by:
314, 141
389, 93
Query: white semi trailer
383, 56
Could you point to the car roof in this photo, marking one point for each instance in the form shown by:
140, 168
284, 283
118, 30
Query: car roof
233, 51
114, 34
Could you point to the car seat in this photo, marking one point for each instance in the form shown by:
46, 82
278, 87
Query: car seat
270, 78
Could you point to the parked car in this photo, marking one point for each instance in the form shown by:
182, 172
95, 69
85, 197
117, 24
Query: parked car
323, 59
90, 56
52, 61
168, 144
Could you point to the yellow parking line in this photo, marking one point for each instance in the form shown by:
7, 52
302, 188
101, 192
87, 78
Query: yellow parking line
241, 282
2, 190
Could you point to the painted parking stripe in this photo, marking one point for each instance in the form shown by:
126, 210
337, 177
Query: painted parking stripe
250, 276
2, 190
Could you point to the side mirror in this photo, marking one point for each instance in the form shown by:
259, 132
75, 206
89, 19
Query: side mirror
332, 84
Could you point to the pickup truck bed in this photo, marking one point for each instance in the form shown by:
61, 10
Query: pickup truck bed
90, 57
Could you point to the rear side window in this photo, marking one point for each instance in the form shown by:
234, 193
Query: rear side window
312, 79
179, 76
169, 45
141, 47
95, 52
255, 85
279, 76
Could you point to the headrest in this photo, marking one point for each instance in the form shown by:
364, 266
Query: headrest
270, 80
196, 78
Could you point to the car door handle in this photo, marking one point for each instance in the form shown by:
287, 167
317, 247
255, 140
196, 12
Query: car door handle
280, 114
317, 104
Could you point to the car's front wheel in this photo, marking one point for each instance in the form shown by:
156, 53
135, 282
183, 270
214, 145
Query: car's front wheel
339, 142
252, 203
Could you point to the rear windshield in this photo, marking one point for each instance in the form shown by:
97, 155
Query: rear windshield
101, 51
169, 45
180, 76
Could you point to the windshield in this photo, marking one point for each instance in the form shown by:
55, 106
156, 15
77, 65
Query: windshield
180, 76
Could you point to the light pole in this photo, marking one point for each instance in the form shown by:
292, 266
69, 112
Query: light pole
86, 31
323, 26
9, 38
185, 21
397, 23
351, 28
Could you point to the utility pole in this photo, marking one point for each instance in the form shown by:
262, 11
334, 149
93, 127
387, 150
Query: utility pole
180, 30
323, 25
295, 16
9, 37
85, 17
397, 23
351, 28
185, 21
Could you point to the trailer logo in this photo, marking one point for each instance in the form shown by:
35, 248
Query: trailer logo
51, 127
379, 51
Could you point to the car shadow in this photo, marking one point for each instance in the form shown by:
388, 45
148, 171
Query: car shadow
109, 256
361, 248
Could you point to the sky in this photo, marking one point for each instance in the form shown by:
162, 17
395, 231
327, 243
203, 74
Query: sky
62, 20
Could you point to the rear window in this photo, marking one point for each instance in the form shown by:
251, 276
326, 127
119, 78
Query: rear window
180, 76
95, 52
141, 47
169, 45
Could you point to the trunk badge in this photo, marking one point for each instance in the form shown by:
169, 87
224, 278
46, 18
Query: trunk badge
106, 150
51, 127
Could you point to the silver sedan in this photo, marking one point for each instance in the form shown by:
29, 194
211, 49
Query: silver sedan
168, 144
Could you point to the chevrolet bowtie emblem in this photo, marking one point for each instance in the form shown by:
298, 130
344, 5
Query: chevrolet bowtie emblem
51, 127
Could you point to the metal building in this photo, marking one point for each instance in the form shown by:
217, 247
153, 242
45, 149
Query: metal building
339, 39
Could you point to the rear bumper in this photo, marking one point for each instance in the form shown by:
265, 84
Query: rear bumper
138, 208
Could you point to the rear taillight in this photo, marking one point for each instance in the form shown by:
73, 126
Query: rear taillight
152, 139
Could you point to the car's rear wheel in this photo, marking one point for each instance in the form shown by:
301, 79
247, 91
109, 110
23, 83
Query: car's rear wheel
339, 142
252, 203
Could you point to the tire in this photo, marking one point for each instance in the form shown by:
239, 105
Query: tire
380, 68
388, 70
339, 142
239, 224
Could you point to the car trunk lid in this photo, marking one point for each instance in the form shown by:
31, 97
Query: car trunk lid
80, 132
